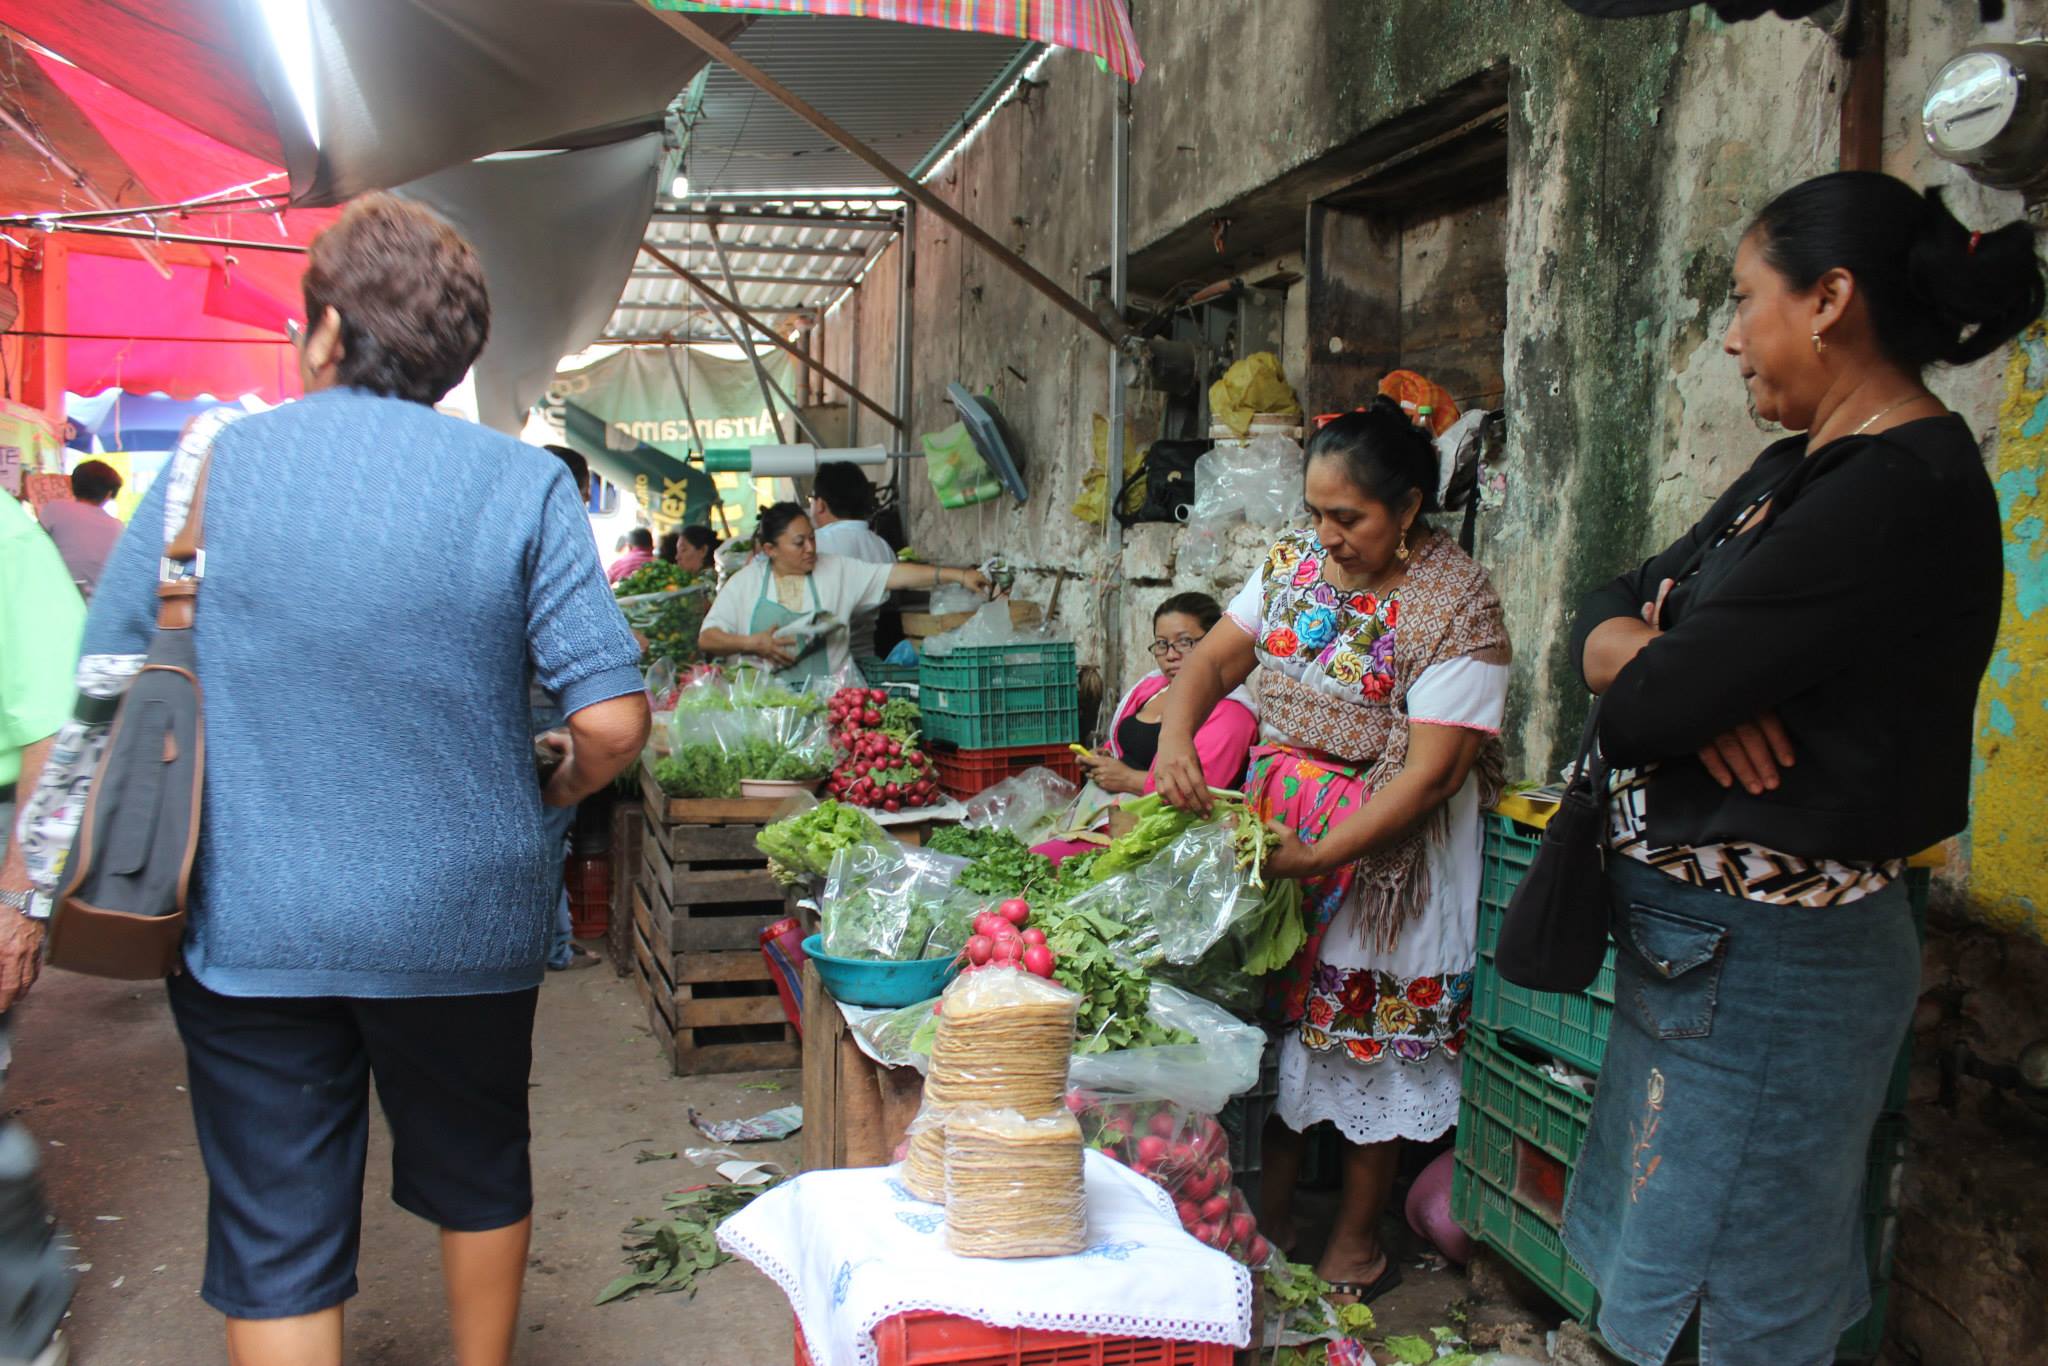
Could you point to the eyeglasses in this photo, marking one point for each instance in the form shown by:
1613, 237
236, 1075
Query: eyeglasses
295, 330
1178, 645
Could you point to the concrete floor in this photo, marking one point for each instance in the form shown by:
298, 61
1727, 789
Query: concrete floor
99, 1076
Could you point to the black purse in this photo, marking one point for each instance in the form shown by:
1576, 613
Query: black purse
1554, 935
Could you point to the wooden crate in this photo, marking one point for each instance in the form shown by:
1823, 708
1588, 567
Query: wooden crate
855, 1110
629, 823
704, 895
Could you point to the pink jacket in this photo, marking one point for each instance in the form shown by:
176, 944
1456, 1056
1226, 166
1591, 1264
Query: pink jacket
1222, 742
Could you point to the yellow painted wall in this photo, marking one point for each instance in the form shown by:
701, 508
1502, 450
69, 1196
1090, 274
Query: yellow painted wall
2008, 836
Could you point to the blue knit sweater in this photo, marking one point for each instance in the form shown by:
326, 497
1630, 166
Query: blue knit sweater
382, 582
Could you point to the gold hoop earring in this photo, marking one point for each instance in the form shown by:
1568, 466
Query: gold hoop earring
1401, 550
1819, 347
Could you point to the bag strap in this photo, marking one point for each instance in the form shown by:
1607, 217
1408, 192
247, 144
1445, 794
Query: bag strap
183, 566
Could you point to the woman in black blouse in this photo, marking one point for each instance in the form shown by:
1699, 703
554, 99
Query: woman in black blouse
1790, 720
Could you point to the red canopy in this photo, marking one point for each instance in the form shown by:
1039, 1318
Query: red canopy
125, 297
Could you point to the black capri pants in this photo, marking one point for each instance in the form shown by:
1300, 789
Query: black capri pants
280, 1097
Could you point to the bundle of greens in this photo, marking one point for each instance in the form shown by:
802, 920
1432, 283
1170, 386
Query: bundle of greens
1001, 866
672, 612
712, 770
805, 843
1116, 1000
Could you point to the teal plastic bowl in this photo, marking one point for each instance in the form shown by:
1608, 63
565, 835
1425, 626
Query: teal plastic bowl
861, 982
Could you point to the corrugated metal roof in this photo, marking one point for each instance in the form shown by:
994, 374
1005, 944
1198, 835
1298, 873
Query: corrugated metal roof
781, 264
902, 89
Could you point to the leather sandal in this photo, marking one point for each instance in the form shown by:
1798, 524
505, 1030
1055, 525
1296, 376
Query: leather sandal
1367, 1291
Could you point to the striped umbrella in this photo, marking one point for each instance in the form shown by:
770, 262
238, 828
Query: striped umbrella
1098, 26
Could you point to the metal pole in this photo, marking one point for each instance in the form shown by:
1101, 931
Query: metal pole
712, 296
78, 178
1113, 470
918, 192
760, 372
853, 364
906, 278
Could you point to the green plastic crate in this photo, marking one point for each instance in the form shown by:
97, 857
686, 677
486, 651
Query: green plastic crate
881, 675
999, 696
1516, 1126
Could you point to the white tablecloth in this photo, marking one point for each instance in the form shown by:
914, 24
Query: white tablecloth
853, 1247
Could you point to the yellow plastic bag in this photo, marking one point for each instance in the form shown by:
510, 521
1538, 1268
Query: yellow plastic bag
1089, 506
1254, 385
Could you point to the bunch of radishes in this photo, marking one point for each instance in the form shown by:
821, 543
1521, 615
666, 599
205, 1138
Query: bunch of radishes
1185, 1153
1005, 937
881, 768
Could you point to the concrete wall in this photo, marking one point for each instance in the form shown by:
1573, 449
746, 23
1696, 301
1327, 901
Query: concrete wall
1637, 152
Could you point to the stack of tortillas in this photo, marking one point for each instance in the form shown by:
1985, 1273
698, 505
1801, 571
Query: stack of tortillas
1013, 1185
1003, 1043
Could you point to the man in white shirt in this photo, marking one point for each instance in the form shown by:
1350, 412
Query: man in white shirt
842, 500
80, 524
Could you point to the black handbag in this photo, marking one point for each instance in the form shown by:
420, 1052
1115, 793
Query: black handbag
1554, 935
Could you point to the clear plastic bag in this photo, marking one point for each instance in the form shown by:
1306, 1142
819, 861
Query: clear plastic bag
1186, 1153
1258, 481
888, 900
1029, 806
1221, 1062
1014, 1184
1182, 914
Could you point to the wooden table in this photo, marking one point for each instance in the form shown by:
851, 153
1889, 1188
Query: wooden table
856, 1111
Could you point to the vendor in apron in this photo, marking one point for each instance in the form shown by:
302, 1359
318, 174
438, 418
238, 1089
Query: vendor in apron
788, 609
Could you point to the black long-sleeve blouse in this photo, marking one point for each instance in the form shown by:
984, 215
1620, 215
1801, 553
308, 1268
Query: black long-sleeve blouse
1863, 611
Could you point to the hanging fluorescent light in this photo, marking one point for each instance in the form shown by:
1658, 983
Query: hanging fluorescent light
679, 188
289, 24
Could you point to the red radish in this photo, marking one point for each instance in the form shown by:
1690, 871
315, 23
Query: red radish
1005, 951
1199, 1187
1163, 1124
1259, 1251
1038, 959
1016, 910
1034, 936
1151, 1149
979, 949
1215, 1209
1189, 1215
1243, 1228
1206, 1233
987, 923
1077, 1101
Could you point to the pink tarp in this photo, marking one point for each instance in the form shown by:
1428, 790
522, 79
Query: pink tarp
177, 162
124, 295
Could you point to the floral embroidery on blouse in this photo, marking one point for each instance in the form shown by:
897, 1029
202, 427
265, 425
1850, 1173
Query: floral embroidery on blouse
1370, 1014
1349, 637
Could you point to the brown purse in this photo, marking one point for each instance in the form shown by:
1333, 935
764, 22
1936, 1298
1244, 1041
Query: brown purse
121, 909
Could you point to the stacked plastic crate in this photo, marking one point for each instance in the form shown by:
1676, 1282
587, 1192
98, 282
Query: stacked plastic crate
994, 711
1522, 1121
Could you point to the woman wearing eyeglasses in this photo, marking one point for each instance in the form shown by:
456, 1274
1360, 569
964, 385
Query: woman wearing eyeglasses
1123, 767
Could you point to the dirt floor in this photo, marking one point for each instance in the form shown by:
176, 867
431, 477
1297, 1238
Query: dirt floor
99, 1078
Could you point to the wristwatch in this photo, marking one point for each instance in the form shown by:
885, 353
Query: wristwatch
16, 900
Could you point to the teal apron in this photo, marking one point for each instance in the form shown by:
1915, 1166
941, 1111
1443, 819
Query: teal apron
771, 616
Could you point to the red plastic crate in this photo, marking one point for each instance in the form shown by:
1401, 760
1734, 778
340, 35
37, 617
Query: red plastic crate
589, 880
964, 772
943, 1340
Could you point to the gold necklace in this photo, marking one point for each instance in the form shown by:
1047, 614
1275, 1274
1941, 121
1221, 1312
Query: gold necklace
1870, 421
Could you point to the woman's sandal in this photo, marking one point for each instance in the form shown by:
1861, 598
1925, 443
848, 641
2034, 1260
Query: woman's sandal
1368, 1291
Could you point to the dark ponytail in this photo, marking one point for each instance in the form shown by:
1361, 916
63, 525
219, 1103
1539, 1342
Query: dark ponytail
774, 521
1384, 453
1937, 292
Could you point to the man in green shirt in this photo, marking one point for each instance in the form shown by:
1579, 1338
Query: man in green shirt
41, 617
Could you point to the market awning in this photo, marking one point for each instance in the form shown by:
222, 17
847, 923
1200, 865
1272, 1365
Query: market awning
399, 89
638, 415
1098, 26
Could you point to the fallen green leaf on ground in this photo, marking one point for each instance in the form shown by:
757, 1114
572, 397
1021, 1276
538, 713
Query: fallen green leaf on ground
649, 1155
668, 1253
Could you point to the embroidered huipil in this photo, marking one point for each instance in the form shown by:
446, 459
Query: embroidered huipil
1376, 1045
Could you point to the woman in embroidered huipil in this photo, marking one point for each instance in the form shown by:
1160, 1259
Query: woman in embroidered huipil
1383, 672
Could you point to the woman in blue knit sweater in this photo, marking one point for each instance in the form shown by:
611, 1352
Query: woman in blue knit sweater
374, 883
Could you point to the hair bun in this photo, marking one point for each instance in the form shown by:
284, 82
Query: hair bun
1984, 287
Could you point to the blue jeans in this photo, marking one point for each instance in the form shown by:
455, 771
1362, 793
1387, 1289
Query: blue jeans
1746, 1066
35, 1278
557, 820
